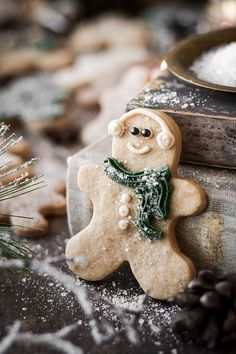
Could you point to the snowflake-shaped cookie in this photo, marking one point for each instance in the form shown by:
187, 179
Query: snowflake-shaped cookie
32, 98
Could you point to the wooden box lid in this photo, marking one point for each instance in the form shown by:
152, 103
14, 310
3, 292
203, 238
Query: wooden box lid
207, 118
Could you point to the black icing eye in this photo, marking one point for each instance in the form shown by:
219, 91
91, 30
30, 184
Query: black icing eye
135, 131
146, 133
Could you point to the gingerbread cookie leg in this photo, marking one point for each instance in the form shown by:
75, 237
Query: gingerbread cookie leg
94, 256
160, 268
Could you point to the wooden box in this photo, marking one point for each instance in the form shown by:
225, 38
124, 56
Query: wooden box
207, 119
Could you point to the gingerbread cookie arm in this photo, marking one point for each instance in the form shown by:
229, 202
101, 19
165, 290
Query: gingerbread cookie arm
188, 198
88, 178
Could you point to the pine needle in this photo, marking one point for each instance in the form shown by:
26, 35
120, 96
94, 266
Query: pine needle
10, 248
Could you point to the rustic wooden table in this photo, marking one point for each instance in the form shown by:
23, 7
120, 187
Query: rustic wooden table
44, 305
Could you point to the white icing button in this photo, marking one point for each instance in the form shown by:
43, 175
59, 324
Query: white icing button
125, 198
123, 224
124, 210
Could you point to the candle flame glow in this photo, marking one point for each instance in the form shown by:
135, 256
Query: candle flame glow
163, 65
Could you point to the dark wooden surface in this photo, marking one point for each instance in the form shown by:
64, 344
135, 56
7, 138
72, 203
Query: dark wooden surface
207, 119
39, 302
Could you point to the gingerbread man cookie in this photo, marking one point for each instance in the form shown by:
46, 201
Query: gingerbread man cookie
109, 31
137, 199
37, 206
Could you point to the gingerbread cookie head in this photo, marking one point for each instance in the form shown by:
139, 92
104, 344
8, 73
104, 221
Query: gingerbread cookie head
144, 139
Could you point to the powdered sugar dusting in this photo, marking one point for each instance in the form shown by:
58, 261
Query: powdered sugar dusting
170, 94
66, 310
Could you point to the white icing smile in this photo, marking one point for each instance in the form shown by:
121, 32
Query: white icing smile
137, 151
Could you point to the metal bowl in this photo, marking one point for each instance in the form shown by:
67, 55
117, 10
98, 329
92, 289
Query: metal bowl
180, 58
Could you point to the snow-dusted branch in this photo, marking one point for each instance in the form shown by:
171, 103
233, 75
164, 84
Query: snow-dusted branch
10, 338
55, 340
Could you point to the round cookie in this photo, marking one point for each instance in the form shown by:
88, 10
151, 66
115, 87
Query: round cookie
137, 199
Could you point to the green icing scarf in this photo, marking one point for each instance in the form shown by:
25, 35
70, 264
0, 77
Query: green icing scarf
153, 189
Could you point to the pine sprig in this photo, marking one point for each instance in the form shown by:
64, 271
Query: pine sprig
17, 188
17, 185
11, 248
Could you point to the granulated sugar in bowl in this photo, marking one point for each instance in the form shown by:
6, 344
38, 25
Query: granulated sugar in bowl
217, 66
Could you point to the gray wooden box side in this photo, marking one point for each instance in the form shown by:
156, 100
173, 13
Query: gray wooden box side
207, 119
208, 239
